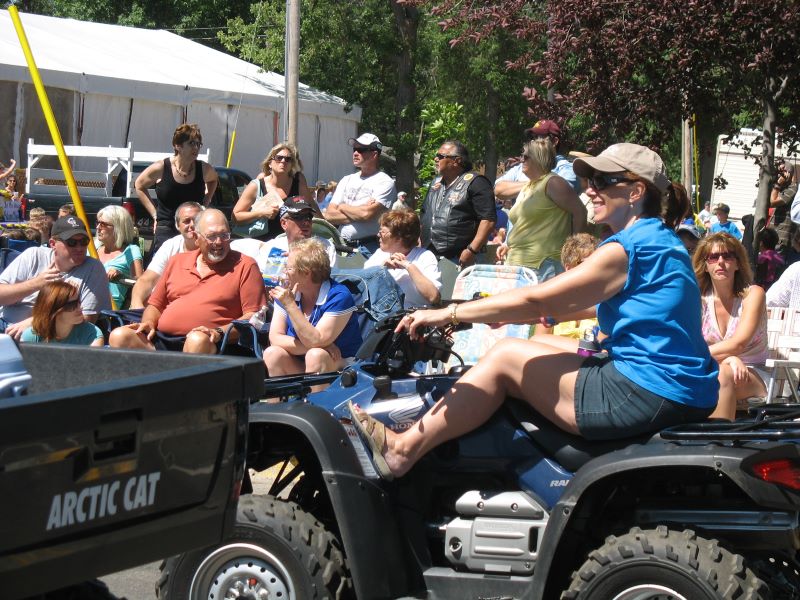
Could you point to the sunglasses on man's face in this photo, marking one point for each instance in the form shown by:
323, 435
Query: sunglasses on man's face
600, 181
83, 242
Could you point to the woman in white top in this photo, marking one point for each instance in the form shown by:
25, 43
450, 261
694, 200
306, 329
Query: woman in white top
415, 269
734, 320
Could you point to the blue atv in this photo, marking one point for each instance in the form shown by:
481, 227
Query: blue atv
514, 509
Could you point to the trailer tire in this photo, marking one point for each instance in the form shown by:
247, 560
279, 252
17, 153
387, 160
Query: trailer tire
275, 546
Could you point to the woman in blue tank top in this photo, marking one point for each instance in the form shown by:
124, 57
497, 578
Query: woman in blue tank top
639, 283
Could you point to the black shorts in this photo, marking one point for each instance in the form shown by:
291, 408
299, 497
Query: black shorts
608, 405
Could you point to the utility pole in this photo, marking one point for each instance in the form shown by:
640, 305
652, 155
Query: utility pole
687, 164
291, 70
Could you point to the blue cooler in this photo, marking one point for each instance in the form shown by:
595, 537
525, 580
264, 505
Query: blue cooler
14, 379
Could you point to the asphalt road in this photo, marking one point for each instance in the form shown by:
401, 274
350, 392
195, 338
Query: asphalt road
134, 584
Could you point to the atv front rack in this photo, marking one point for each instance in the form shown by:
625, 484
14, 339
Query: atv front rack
771, 422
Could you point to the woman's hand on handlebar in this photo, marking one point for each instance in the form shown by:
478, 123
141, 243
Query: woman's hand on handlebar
421, 318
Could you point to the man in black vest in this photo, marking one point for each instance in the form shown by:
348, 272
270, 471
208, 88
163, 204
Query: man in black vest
459, 212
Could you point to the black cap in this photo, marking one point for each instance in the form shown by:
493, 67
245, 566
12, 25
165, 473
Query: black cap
291, 207
68, 227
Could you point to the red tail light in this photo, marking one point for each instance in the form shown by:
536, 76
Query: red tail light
781, 472
128, 205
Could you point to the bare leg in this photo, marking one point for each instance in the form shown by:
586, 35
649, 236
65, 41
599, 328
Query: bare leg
319, 360
280, 362
198, 342
542, 375
126, 337
558, 341
730, 392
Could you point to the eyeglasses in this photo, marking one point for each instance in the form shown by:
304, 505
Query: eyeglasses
714, 257
195, 144
301, 218
600, 181
83, 242
282, 158
216, 237
383, 233
440, 156
71, 305
104, 224
362, 150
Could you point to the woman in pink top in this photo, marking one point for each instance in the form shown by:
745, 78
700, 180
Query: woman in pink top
734, 319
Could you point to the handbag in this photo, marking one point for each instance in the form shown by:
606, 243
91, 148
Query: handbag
259, 227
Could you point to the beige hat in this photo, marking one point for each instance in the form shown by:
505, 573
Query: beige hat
626, 157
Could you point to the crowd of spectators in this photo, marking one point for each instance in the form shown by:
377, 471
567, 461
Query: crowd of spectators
549, 211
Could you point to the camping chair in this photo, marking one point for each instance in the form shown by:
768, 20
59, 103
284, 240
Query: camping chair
783, 340
479, 280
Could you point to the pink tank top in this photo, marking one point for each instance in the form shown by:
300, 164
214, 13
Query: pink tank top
756, 351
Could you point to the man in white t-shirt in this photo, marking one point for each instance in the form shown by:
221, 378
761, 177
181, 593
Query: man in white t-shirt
296, 220
185, 241
361, 198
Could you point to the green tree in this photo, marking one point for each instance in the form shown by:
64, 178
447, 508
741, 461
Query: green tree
364, 51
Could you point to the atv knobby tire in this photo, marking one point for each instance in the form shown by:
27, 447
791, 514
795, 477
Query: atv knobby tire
661, 563
275, 546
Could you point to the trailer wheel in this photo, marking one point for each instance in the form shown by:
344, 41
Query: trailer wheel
277, 550
658, 564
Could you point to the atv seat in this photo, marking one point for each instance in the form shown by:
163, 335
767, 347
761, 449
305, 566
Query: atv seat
568, 450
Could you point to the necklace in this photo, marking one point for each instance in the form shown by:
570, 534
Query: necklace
183, 173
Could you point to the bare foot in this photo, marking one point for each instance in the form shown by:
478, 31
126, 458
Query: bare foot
387, 441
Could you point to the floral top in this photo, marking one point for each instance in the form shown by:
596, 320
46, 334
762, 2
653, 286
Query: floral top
756, 351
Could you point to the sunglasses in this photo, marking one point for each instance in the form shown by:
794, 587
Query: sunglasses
104, 224
195, 144
362, 150
440, 156
282, 158
600, 181
83, 242
71, 305
216, 237
715, 256
300, 218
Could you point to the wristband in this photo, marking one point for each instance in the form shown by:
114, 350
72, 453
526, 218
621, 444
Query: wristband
220, 331
469, 247
453, 318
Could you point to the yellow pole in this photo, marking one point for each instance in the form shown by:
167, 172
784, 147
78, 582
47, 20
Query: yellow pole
230, 149
52, 125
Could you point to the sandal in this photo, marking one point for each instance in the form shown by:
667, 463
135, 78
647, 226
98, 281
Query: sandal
374, 434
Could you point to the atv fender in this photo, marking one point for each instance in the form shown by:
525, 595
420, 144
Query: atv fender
645, 461
365, 515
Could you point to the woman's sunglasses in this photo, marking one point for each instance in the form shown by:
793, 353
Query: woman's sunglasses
282, 158
71, 305
600, 181
714, 257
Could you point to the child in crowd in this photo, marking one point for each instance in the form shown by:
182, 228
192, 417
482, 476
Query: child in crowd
575, 250
770, 263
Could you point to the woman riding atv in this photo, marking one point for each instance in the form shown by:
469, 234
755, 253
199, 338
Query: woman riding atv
640, 282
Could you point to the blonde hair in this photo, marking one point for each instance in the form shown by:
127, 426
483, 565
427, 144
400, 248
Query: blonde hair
577, 248
296, 163
124, 232
744, 274
541, 153
310, 257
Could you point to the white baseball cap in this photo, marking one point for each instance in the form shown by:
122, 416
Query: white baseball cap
366, 140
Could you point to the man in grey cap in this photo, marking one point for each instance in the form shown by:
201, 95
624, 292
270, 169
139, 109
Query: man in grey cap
360, 198
64, 259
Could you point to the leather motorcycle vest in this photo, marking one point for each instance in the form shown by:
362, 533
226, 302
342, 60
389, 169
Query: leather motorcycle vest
448, 219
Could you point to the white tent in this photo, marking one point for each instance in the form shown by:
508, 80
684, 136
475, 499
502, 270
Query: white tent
110, 85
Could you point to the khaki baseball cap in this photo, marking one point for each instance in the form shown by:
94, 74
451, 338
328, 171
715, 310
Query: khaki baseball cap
626, 157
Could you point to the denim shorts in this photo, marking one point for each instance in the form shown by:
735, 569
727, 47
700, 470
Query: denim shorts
608, 405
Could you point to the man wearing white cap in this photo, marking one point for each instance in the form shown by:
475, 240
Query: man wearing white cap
360, 198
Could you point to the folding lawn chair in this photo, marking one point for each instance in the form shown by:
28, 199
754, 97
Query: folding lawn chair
477, 281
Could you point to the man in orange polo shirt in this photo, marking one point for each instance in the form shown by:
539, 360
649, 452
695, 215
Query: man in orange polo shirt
199, 294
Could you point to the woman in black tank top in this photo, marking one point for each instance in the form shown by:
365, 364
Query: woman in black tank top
262, 198
178, 179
